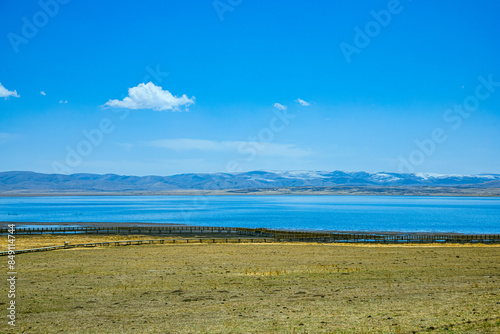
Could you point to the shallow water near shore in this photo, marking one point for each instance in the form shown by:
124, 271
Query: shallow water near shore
345, 213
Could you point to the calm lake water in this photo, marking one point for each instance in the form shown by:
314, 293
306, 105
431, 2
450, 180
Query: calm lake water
346, 213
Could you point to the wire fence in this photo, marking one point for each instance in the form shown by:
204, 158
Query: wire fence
141, 242
276, 235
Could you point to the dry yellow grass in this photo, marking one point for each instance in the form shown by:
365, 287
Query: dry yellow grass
259, 288
45, 240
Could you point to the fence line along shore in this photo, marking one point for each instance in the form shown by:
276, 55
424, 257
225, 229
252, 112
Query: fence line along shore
141, 242
264, 233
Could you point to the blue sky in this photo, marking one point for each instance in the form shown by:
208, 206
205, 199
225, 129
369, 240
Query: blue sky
166, 87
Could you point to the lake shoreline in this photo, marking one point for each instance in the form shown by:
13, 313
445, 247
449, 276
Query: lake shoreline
4, 224
421, 191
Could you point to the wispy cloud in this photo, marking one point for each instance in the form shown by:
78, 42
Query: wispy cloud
279, 106
268, 149
6, 137
149, 96
43, 93
303, 103
193, 144
63, 101
281, 150
4, 92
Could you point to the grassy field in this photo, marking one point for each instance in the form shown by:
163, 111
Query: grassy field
259, 288
45, 240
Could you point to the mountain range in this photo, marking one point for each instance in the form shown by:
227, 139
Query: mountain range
30, 182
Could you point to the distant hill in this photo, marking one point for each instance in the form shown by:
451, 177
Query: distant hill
30, 182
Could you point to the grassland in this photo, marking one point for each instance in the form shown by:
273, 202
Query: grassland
256, 288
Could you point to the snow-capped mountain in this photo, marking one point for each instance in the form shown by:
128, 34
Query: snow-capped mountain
30, 182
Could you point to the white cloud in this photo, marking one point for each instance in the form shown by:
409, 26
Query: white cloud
149, 96
63, 101
243, 147
43, 93
279, 106
4, 92
303, 103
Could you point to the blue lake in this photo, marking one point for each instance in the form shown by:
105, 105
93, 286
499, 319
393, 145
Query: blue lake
345, 213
